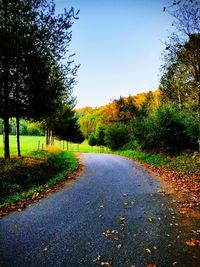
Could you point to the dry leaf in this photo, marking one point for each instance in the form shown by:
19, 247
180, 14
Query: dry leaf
193, 243
149, 219
97, 258
148, 250
36, 194
121, 218
151, 264
106, 263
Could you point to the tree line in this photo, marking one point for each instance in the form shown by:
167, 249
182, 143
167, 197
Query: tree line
34, 83
167, 120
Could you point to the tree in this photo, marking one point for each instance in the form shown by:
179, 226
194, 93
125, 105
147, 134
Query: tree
183, 47
100, 134
65, 127
88, 122
92, 140
116, 136
33, 39
176, 86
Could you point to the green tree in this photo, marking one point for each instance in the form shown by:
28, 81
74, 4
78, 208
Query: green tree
33, 39
183, 47
116, 137
92, 140
65, 126
100, 134
163, 131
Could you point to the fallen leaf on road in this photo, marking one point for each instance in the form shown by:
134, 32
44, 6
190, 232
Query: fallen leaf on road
193, 243
97, 258
151, 264
119, 246
121, 218
149, 219
108, 233
106, 263
36, 194
148, 250
82, 260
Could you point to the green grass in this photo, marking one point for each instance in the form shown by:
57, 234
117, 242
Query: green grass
186, 163
30, 143
157, 160
21, 177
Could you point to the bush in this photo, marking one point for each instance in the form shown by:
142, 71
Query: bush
190, 122
116, 137
33, 172
163, 131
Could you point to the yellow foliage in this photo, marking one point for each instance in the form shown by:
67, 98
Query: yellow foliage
54, 149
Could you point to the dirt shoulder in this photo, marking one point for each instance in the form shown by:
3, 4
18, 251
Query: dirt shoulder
184, 189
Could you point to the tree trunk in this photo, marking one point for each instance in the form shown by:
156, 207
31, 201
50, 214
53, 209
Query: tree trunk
6, 138
17, 113
6, 117
17, 136
199, 115
67, 146
47, 136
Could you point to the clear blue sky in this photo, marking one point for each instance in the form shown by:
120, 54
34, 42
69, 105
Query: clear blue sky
118, 44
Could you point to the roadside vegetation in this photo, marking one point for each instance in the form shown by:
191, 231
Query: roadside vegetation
22, 177
36, 97
160, 129
186, 163
32, 143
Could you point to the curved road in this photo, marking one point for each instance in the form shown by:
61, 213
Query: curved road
112, 215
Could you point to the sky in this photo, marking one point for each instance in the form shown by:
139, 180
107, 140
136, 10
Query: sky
118, 44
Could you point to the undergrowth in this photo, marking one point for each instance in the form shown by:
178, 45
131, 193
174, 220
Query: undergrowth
187, 163
21, 177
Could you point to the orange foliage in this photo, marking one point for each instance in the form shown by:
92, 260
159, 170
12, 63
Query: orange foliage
53, 149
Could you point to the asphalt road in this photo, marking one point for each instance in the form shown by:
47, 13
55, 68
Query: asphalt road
112, 214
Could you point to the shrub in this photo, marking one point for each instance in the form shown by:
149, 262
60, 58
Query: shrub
162, 131
116, 137
190, 122
32, 172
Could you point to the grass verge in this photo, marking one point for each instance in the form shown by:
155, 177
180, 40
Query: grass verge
187, 163
21, 177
